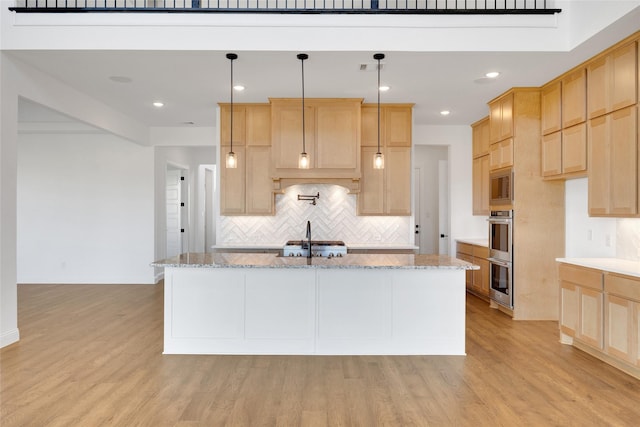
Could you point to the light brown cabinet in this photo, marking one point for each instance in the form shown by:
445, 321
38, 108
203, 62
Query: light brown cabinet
574, 98
332, 137
622, 327
551, 108
247, 189
477, 281
480, 185
612, 81
386, 191
501, 118
581, 304
564, 153
552, 154
501, 154
613, 164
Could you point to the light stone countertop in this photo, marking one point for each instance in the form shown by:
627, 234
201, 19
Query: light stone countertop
269, 260
612, 265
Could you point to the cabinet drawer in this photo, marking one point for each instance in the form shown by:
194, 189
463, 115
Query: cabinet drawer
480, 251
465, 248
582, 276
622, 286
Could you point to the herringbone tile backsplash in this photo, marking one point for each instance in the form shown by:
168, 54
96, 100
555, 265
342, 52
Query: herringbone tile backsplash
332, 218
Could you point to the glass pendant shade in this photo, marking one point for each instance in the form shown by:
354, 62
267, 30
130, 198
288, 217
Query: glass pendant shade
378, 161
232, 160
303, 161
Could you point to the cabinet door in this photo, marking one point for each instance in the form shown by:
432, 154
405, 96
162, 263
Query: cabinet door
599, 165
624, 148
551, 104
619, 328
286, 122
397, 126
495, 121
552, 154
481, 277
258, 121
481, 185
590, 322
371, 196
574, 149
569, 308
506, 125
494, 156
574, 98
337, 135
398, 180
369, 119
623, 77
259, 186
481, 138
232, 183
239, 125
598, 87
635, 337
506, 153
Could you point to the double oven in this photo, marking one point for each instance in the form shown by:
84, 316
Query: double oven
501, 257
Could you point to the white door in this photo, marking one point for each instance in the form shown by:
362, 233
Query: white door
174, 214
443, 207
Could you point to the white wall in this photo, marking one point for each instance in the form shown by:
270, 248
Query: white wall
458, 140
85, 209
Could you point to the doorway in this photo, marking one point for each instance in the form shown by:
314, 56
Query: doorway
431, 199
176, 208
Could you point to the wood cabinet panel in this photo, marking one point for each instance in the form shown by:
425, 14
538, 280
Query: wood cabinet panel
583, 276
286, 122
635, 338
590, 326
397, 126
371, 197
480, 137
569, 308
258, 125
239, 124
574, 98
506, 128
259, 187
481, 185
551, 108
337, 130
619, 328
481, 277
369, 119
574, 149
622, 286
501, 154
624, 161
599, 162
398, 180
501, 118
598, 76
551, 154
232, 183
624, 89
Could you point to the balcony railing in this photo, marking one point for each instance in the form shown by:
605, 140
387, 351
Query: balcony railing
448, 7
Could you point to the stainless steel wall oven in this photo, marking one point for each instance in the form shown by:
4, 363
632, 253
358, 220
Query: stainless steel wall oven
501, 257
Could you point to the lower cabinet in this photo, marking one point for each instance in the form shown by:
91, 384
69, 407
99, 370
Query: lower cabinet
477, 281
601, 311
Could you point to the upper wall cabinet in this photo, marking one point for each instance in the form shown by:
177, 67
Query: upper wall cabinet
332, 138
501, 118
247, 189
480, 132
551, 108
386, 191
612, 81
574, 98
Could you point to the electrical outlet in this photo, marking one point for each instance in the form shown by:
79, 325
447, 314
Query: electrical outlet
589, 234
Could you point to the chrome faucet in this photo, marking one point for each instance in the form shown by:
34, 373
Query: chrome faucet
309, 254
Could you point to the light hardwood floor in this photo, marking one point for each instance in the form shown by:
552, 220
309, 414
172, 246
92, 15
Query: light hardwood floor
91, 355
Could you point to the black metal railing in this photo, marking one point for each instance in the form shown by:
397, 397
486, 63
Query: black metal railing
449, 7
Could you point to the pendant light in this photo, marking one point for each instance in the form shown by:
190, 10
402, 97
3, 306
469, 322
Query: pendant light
304, 160
232, 160
378, 158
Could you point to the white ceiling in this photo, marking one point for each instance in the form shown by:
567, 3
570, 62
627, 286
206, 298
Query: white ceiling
191, 83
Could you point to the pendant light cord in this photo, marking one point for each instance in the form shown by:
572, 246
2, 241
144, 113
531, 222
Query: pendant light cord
379, 104
231, 91
304, 147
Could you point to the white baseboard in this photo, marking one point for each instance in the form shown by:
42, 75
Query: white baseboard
9, 337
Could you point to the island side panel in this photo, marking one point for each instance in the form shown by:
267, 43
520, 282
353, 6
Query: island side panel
391, 311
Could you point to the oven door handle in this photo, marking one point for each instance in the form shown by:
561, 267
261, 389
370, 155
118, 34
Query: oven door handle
499, 262
499, 221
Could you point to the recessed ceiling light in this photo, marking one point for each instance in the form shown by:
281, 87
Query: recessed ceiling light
445, 112
384, 88
492, 74
120, 79
239, 88
158, 104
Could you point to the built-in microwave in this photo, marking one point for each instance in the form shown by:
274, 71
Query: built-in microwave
501, 188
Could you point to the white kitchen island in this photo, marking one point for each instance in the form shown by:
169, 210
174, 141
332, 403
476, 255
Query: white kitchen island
376, 304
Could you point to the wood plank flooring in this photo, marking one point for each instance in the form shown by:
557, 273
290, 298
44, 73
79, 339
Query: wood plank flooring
91, 355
